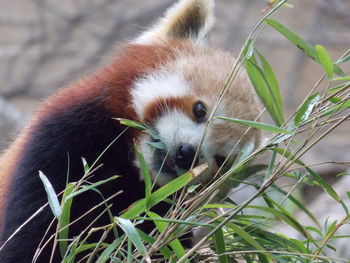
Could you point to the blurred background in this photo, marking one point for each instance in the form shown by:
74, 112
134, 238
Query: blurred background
46, 44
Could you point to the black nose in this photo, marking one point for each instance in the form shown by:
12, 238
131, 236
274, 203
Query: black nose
184, 156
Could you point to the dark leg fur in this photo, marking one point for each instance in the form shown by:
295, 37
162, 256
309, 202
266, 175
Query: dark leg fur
81, 131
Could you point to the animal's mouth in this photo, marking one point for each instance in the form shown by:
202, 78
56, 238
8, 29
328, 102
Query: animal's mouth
175, 161
163, 162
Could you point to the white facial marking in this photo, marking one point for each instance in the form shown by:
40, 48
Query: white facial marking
158, 85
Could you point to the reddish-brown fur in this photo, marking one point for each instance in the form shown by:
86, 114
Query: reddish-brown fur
133, 62
157, 108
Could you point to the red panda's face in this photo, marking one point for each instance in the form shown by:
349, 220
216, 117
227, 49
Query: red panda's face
176, 101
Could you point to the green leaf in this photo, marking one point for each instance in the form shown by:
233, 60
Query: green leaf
345, 78
64, 220
156, 145
343, 60
161, 226
164, 192
248, 49
85, 188
336, 88
299, 204
52, 197
323, 183
106, 254
286, 217
272, 81
220, 246
248, 238
306, 109
132, 124
325, 60
132, 234
306, 47
164, 250
258, 125
85, 165
320, 181
264, 91
146, 174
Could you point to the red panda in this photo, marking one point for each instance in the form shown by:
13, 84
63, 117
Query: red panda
168, 78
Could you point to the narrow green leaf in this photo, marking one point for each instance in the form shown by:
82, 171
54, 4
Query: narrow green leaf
146, 174
167, 220
299, 204
284, 216
336, 88
343, 60
85, 188
287, 154
132, 234
264, 91
52, 197
345, 78
161, 226
306, 47
258, 125
323, 183
306, 109
156, 145
249, 49
220, 246
248, 238
164, 192
272, 81
132, 124
325, 60
106, 254
85, 165
193, 188
64, 220
164, 250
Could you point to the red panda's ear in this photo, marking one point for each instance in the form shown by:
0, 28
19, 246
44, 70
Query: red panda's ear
187, 19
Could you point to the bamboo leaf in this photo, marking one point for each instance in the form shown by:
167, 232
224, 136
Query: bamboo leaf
52, 197
306, 47
264, 91
284, 216
306, 109
272, 81
299, 204
343, 60
320, 181
85, 188
161, 226
132, 234
132, 124
323, 183
249, 49
146, 174
64, 220
258, 125
345, 78
164, 192
106, 254
220, 246
248, 238
325, 60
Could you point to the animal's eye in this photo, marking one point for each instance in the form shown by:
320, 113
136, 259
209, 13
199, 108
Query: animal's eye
199, 110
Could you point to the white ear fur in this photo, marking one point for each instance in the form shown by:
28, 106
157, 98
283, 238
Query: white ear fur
187, 19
